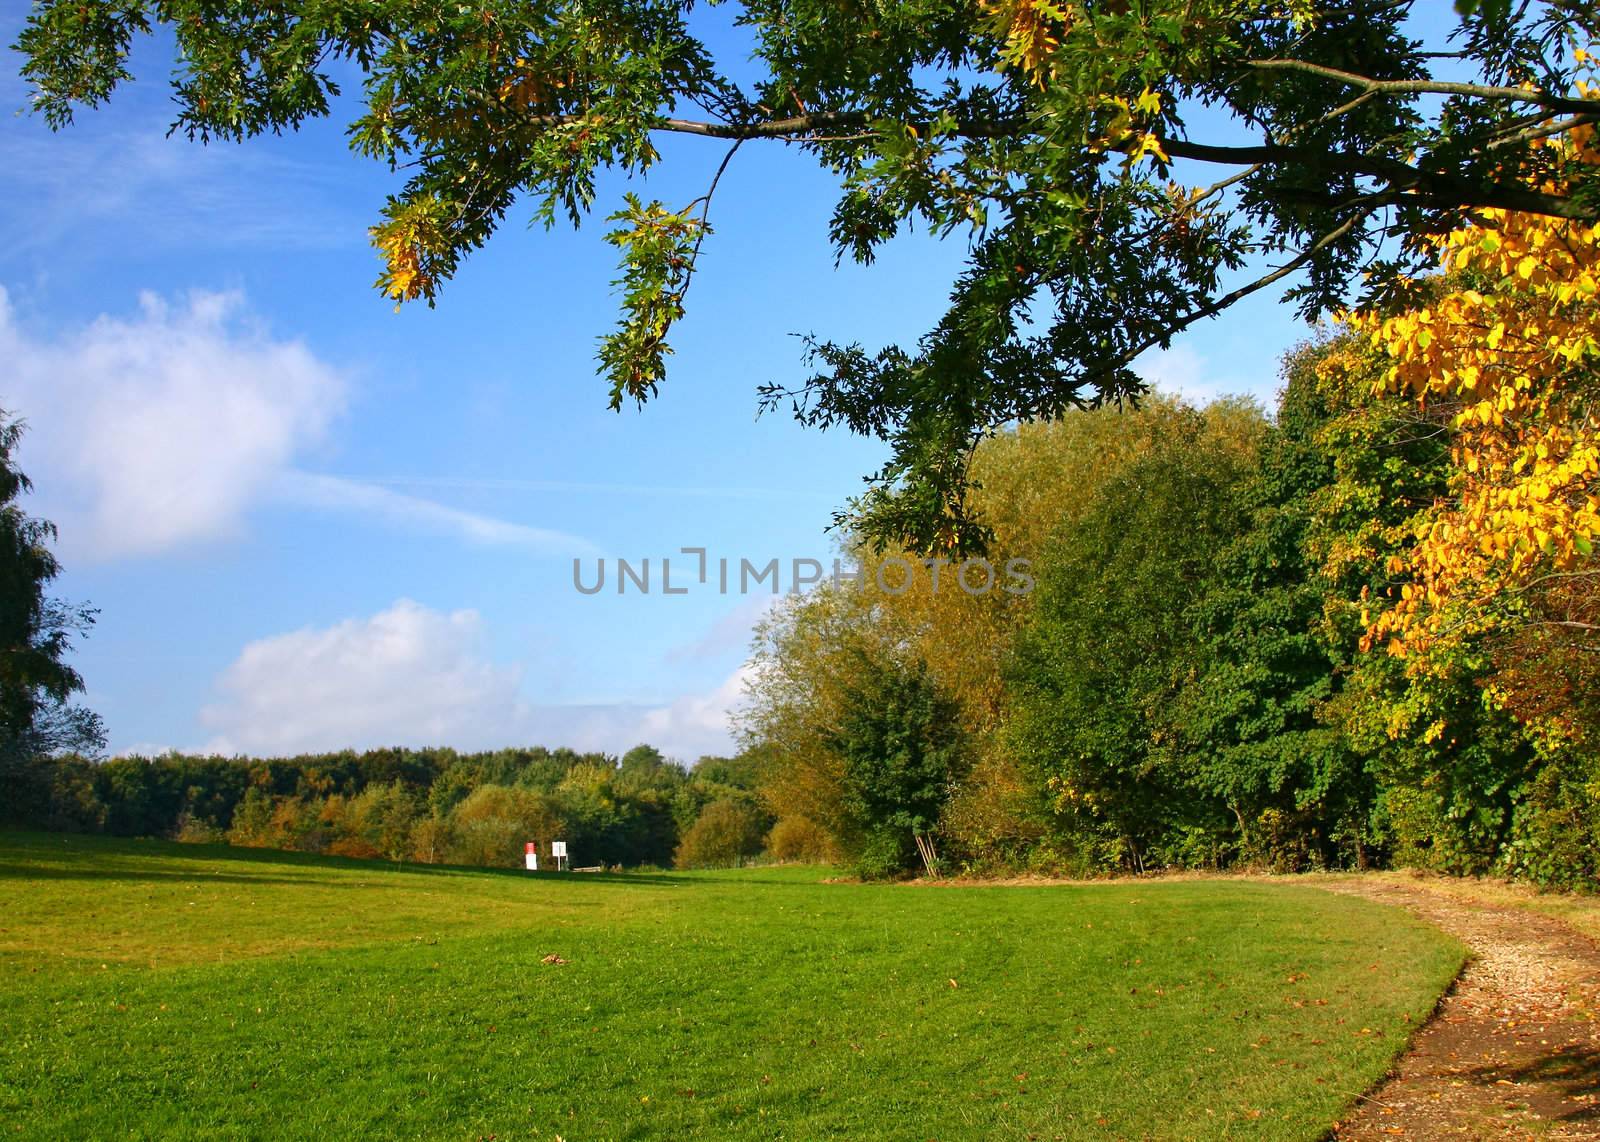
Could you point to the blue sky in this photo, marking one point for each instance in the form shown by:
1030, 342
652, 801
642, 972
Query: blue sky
310, 522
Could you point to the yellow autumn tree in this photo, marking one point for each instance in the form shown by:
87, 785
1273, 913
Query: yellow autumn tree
1509, 344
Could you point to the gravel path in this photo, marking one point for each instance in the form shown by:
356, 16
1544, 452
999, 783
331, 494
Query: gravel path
1514, 1050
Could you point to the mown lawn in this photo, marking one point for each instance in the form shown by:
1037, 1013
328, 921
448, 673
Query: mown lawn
157, 990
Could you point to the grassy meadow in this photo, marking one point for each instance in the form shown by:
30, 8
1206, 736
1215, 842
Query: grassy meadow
149, 989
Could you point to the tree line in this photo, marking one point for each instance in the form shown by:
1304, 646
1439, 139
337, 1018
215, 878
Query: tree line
1196, 682
428, 805
434, 806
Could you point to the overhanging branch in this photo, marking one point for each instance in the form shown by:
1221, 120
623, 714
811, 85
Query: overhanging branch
1432, 188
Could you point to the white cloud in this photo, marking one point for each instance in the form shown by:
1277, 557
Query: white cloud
407, 675
411, 675
1199, 378
158, 430
730, 634
684, 729
1180, 371
161, 430
695, 724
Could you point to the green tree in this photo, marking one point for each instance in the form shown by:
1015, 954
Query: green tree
644, 768
1450, 762
742, 771
1098, 672
383, 816
1045, 131
902, 749
252, 820
1254, 734
495, 822
37, 716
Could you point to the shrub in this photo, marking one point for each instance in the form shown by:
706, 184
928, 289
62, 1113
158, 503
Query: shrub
885, 853
800, 840
194, 830
1555, 841
724, 834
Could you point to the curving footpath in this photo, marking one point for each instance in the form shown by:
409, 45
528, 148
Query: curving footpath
1514, 1049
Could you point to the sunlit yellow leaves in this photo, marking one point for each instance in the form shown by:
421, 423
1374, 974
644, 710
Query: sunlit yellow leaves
1517, 358
1032, 31
411, 242
1147, 143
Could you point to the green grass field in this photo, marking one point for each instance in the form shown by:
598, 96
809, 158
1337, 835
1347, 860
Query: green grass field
158, 990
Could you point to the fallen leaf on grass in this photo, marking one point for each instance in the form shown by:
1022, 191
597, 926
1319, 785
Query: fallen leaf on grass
552, 958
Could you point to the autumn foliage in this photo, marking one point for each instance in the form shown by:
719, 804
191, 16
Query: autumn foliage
1510, 344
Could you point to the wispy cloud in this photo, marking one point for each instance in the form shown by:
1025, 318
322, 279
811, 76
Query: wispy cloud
730, 634
1182, 371
82, 187
477, 483
339, 493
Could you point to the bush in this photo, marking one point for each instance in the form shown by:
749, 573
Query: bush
724, 834
1555, 841
884, 854
193, 830
800, 840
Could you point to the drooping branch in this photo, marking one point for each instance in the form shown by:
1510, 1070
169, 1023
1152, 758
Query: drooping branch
704, 202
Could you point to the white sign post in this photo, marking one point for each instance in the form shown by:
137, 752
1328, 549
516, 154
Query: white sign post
558, 850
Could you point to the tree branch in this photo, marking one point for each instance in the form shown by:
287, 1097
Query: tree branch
1432, 187
1364, 210
1430, 86
704, 201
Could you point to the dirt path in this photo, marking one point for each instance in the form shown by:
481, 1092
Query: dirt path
1514, 1051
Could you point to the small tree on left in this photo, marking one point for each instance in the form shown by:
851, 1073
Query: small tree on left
37, 716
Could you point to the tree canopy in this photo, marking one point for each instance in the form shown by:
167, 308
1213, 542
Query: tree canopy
1119, 170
